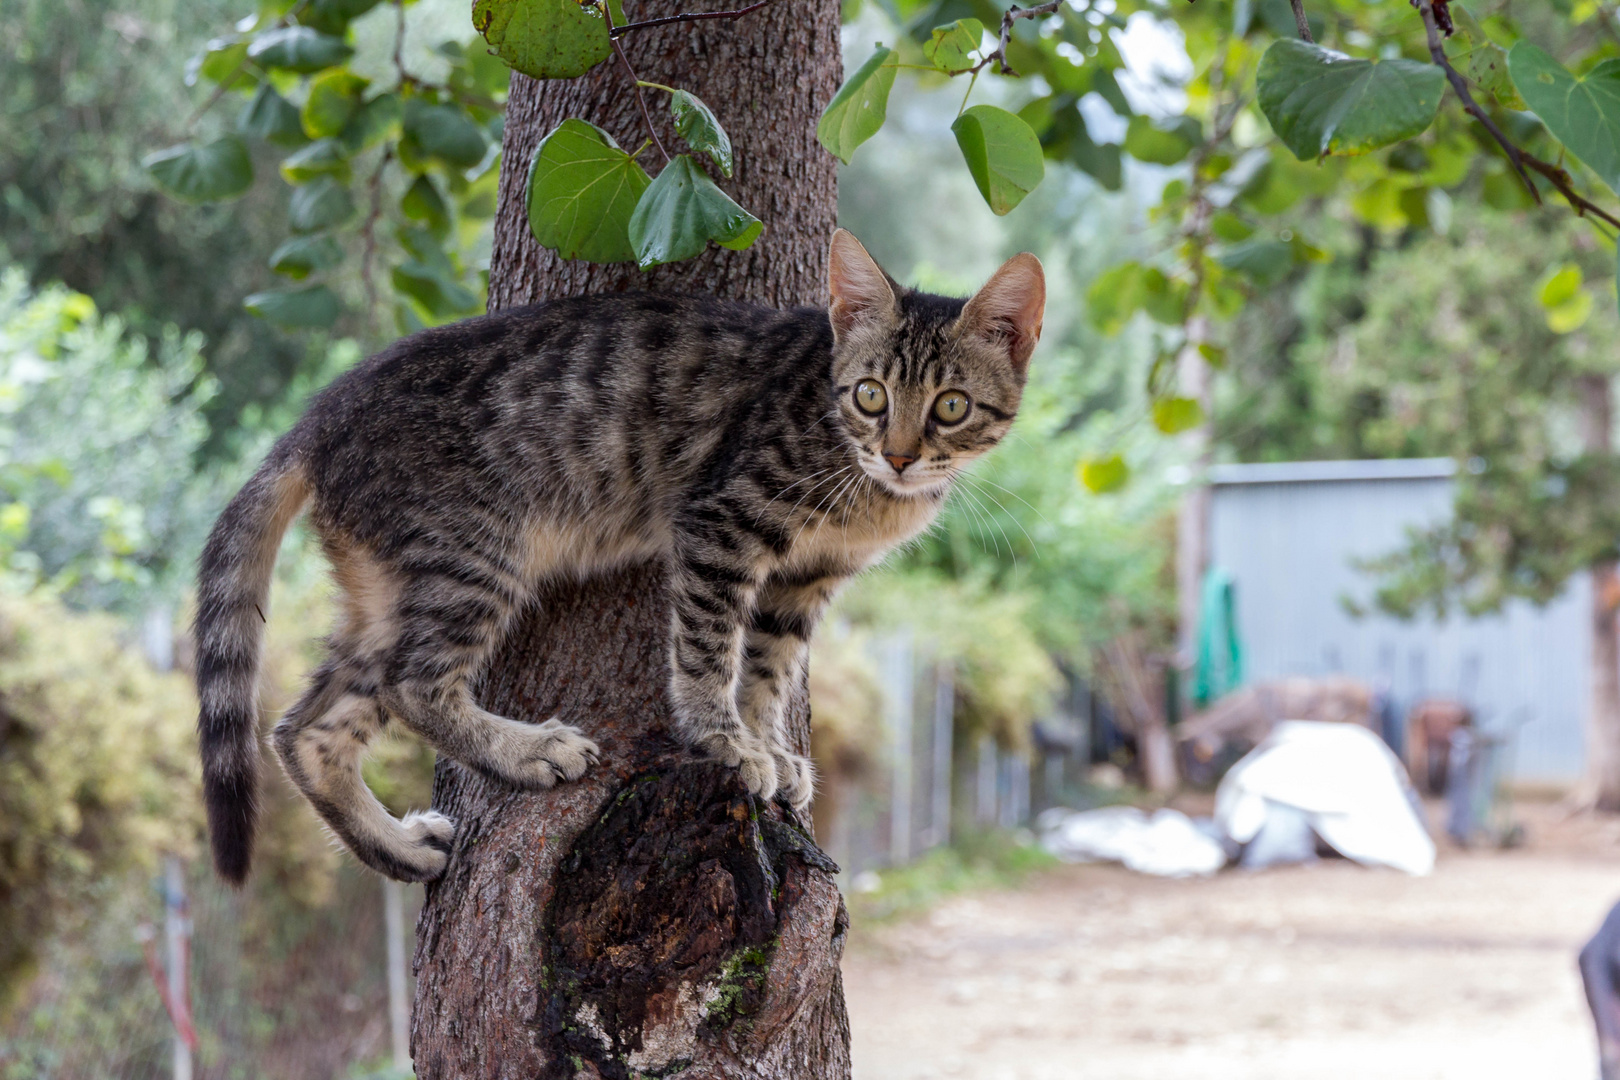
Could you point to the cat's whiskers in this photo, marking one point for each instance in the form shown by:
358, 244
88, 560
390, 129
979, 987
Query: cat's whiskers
790, 487
831, 506
1033, 547
819, 503
1012, 552
976, 520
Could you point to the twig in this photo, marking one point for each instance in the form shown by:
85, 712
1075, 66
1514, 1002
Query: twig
690, 16
1521, 160
635, 83
1013, 14
1302, 22
369, 253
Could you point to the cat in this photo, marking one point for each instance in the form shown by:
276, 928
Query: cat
764, 456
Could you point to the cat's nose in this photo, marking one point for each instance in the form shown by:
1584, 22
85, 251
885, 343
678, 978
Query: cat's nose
899, 461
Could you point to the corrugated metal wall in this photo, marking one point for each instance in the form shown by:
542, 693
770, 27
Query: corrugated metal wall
1289, 534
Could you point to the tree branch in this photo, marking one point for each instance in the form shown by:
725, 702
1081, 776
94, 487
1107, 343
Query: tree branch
635, 83
1013, 14
1301, 21
1521, 160
690, 16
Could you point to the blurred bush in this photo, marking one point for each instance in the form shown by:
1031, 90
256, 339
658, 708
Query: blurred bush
98, 776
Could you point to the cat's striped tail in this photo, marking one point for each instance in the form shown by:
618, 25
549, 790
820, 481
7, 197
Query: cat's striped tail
233, 586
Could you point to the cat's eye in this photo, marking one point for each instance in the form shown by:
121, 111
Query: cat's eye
870, 397
951, 407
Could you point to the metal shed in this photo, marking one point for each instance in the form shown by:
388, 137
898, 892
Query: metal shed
1290, 533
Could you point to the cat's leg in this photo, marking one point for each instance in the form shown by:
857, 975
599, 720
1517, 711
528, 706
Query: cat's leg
712, 586
775, 654
321, 742
448, 624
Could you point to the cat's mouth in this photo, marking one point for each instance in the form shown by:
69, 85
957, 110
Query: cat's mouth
919, 478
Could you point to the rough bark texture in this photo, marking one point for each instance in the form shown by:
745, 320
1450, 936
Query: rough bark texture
1600, 787
651, 919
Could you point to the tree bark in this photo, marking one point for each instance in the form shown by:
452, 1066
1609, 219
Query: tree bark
651, 919
1600, 787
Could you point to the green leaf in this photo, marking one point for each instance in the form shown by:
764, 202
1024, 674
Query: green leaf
1230, 227
1213, 355
859, 108
1582, 112
1163, 298
210, 172
1265, 262
544, 39
323, 157
1559, 286
334, 16
949, 47
1147, 141
373, 122
695, 123
323, 203
1002, 154
582, 192
681, 211
1114, 296
422, 202
220, 59
298, 48
1323, 102
312, 306
334, 97
1174, 415
1472, 52
1102, 475
445, 132
303, 255
1570, 315
436, 291
271, 117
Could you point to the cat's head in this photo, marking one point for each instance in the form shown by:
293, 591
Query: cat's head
926, 384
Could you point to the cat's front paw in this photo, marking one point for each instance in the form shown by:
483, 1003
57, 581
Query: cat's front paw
539, 756
755, 766
795, 778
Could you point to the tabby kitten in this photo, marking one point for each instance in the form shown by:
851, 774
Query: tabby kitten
764, 456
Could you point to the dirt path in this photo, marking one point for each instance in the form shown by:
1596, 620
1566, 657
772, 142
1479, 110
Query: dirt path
1331, 972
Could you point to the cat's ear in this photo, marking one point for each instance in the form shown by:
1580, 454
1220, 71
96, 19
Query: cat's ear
861, 291
1009, 309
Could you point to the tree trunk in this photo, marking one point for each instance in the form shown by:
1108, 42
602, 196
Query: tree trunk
1600, 787
651, 919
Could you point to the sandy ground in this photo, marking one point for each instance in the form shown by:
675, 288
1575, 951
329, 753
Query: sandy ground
1326, 972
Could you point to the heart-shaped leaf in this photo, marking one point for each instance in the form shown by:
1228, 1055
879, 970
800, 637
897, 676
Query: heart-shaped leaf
1002, 153
303, 255
697, 124
323, 203
1582, 112
1160, 145
220, 59
949, 47
271, 117
298, 48
1323, 102
210, 172
333, 16
435, 289
859, 108
422, 202
333, 98
372, 122
681, 211
1102, 475
323, 157
544, 39
312, 306
582, 192
1175, 415
1471, 51
445, 132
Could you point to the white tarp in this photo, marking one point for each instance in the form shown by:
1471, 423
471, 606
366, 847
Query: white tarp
1166, 844
1345, 782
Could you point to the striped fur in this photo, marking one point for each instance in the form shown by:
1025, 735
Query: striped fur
452, 473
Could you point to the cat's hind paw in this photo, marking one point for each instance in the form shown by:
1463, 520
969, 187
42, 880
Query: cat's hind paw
427, 835
755, 766
795, 777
